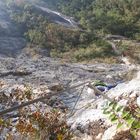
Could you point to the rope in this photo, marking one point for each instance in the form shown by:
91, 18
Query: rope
77, 101
96, 90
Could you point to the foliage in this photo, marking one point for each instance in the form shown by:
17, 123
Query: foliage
57, 39
96, 17
130, 49
35, 121
41, 32
105, 16
100, 49
128, 116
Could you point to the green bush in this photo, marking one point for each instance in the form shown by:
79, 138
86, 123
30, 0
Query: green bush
100, 50
137, 36
127, 117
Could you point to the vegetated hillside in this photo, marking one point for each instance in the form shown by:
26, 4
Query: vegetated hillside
96, 19
103, 17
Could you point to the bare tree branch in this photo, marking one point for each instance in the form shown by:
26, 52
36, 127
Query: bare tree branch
40, 99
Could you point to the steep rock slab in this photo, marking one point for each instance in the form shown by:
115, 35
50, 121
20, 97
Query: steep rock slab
11, 40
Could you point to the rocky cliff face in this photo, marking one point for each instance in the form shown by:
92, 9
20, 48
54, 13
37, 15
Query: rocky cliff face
11, 41
40, 72
84, 110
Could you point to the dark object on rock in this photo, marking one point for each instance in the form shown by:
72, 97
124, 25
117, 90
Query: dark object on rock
105, 87
102, 88
56, 87
111, 86
15, 73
